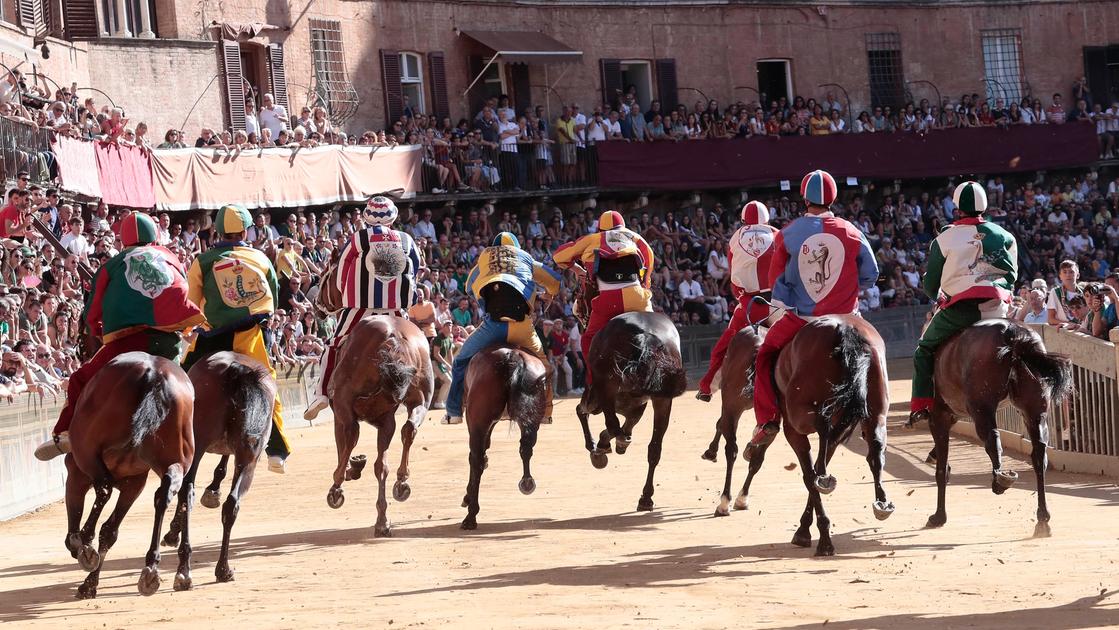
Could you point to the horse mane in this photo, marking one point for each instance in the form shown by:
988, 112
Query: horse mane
154, 404
849, 395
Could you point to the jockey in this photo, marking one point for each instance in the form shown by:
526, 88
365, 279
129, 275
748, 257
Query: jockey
972, 268
820, 263
237, 289
504, 281
139, 303
376, 276
750, 252
621, 262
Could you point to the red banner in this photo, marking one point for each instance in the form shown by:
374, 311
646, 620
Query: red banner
713, 164
125, 174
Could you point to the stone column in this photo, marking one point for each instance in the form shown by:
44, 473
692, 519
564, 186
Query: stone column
102, 19
146, 20
122, 19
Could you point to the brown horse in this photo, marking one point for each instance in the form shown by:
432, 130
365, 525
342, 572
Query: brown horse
975, 371
233, 397
385, 361
838, 365
502, 381
634, 359
134, 416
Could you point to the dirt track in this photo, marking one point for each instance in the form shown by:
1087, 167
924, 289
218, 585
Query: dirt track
576, 555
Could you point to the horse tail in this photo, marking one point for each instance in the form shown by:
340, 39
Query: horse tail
849, 394
651, 370
526, 391
1032, 364
247, 388
396, 374
157, 399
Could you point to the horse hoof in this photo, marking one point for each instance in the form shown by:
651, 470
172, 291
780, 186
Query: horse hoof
1042, 530
710, 456
825, 550
883, 509
527, 486
224, 574
170, 540
88, 558
937, 520
401, 491
382, 531
1005, 479
645, 504
469, 523
335, 498
723, 509
183, 583
802, 539
149, 581
826, 484
465, 500
621, 444
86, 591
357, 464
599, 459
741, 503
211, 499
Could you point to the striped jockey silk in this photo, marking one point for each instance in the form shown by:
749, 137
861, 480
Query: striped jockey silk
378, 268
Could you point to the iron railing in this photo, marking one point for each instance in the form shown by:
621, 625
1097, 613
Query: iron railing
534, 166
25, 148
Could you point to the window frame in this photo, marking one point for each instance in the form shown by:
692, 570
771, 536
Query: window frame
416, 82
990, 40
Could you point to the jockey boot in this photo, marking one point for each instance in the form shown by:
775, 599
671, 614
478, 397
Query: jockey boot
916, 417
57, 445
763, 437
318, 404
704, 396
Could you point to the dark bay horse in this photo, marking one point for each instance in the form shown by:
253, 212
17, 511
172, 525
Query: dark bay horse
502, 381
134, 416
975, 371
634, 360
830, 378
383, 363
233, 399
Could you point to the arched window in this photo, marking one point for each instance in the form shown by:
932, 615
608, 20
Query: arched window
412, 81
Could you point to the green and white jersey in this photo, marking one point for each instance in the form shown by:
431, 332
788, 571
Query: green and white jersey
972, 259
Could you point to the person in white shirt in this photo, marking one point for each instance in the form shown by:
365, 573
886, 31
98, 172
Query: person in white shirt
272, 116
1058, 217
74, 242
252, 125
692, 294
597, 128
614, 127
1057, 303
873, 297
580, 127
425, 228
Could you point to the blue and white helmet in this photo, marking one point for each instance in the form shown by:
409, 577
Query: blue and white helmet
380, 210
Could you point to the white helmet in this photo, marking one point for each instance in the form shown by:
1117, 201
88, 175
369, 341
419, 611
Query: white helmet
380, 210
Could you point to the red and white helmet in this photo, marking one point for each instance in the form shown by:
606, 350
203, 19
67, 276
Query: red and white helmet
380, 211
755, 213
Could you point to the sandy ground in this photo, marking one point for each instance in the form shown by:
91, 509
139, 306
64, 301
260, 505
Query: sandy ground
576, 554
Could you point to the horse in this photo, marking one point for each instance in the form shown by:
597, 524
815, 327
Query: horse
838, 365
502, 381
634, 360
385, 361
234, 395
134, 416
977, 369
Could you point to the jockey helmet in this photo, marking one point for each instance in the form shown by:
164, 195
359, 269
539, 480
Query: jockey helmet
232, 219
610, 220
138, 229
818, 188
970, 198
506, 238
380, 210
755, 213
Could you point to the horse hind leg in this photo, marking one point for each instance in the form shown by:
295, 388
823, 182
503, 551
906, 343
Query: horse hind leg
625, 436
662, 413
130, 489
712, 452
171, 482
939, 423
172, 537
728, 426
803, 450
243, 469
401, 490
742, 501
211, 497
986, 428
479, 429
1037, 426
874, 432
527, 484
183, 581
346, 432
385, 430
613, 430
77, 485
825, 482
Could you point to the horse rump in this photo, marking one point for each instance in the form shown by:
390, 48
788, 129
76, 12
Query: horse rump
849, 395
651, 370
156, 399
396, 374
249, 388
526, 390
1031, 363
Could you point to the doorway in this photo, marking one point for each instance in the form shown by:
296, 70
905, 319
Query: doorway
638, 75
774, 80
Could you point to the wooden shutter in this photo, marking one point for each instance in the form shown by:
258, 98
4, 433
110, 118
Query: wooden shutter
1095, 70
80, 19
666, 83
437, 71
611, 80
234, 84
390, 76
30, 12
522, 90
278, 75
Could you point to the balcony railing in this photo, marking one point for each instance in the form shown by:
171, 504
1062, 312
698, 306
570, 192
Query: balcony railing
534, 167
24, 148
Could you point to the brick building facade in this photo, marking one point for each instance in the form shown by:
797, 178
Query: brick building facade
361, 58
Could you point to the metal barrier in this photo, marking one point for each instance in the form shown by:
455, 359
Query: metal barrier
534, 166
24, 148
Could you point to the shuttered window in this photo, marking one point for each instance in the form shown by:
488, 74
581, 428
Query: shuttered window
80, 19
437, 73
412, 81
611, 71
278, 76
234, 84
390, 78
666, 83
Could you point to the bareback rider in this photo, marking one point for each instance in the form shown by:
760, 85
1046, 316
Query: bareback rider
820, 264
621, 262
376, 276
139, 303
236, 287
504, 281
750, 253
972, 268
